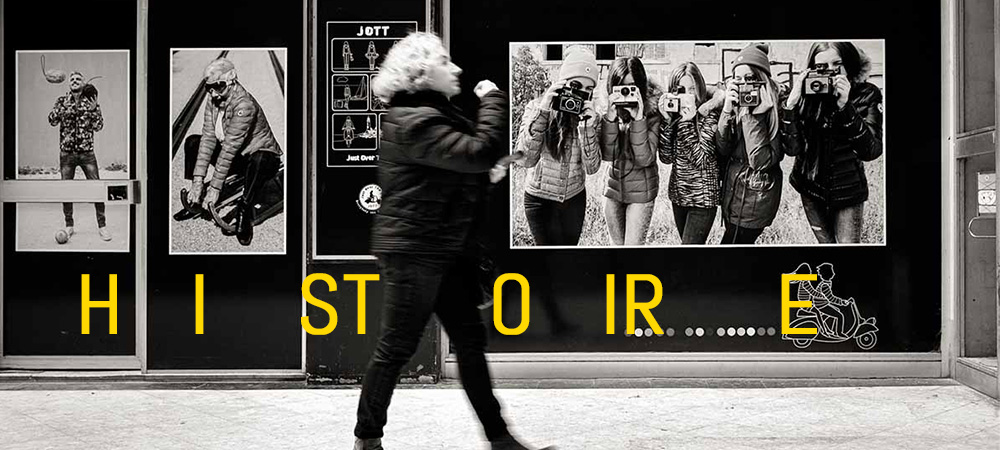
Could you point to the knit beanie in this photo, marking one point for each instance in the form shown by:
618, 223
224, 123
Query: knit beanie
579, 62
755, 55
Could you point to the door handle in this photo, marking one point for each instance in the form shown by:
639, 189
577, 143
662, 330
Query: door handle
980, 236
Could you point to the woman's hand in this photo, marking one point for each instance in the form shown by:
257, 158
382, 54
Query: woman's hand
638, 111
484, 87
732, 97
589, 114
550, 94
499, 170
843, 90
611, 114
795, 95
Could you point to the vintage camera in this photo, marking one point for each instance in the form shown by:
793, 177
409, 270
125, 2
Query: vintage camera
820, 82
749, 93
570, 99
628, 95
671, 102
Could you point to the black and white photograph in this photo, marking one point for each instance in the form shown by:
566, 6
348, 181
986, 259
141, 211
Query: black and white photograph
73, 123
227, 172
667, 143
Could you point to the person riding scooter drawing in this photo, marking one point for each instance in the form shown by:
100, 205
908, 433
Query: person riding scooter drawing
826, 304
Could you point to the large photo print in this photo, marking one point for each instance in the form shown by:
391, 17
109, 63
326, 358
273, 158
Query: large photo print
227, 177
698, 143
73, 123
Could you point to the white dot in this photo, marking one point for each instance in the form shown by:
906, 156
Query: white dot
721, 332
670, 332
731, 331
761, 331
700, 332
770, 331
638, 332
741, 332
689, 332
649, 332
751, 331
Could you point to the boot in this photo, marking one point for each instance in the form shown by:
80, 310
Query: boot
244, 224
185, 214
367, 444
509, 443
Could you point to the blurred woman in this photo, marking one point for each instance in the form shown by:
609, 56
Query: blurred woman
434, 169
561, 148
748, 135
630, 129
687, 141
831, 126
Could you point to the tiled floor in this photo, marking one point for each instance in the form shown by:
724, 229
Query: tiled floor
877, 417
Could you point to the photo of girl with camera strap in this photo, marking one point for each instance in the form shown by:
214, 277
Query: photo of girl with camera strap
559, 140
832, 124
687, 142
630, 139
748, 135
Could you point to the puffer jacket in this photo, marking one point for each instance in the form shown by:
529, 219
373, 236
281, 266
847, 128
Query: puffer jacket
433, 169
690, 147
635, 180
829, 151
551, 179
246, 132
751, 191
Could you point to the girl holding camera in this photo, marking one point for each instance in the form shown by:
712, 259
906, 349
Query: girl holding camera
832, 123
631, 128
687, 141
748, 135
561, 148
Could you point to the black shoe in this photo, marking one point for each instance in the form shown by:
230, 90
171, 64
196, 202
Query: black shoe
367, 444
244, 225
185, 214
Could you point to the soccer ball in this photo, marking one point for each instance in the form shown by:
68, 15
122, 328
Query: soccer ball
62, 237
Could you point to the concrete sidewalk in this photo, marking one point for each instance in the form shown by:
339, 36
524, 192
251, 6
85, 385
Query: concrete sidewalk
119, 416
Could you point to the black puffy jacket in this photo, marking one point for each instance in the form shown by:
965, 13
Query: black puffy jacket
829, 150
433, 166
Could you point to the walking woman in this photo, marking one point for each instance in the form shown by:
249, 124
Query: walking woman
631, 129
831, 127
433, 169
748, 135
561, 148
687, 141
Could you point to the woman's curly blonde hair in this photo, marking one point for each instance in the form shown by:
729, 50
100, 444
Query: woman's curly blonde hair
405, 66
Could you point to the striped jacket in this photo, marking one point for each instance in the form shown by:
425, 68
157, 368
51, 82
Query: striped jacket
690, 147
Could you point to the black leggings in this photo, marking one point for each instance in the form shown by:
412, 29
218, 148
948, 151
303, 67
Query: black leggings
740, 235
416, 287
556, 223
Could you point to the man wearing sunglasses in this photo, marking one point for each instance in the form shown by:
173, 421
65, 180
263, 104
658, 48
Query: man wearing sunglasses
235, 139
78, 117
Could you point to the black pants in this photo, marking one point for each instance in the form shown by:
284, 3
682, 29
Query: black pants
417, 286
556, 223
68, 162
693, 224
256, 169
740, 235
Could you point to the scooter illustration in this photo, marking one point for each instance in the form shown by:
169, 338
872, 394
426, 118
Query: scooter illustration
835, 319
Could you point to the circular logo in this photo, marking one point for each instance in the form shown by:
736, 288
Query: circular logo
370, 198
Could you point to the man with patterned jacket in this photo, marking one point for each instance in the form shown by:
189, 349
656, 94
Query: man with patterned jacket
236, 139
78, 116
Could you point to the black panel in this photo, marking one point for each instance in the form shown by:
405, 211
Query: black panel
343, 229
252, 303
42, 294
732, 287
